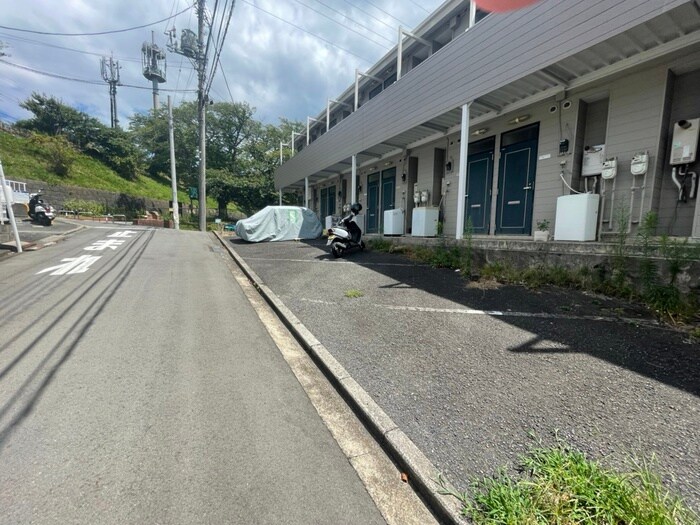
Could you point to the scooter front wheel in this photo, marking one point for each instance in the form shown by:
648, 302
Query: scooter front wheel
336, 250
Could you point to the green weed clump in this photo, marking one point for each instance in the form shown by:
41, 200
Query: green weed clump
561, 486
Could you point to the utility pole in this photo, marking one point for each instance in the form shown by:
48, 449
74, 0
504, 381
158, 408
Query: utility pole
173, 173
201, 99
110, 74
192, 46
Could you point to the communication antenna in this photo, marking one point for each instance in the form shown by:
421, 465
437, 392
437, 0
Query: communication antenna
154, 65
110, 74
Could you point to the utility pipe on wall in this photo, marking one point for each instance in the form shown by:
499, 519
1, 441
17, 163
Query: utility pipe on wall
462, 184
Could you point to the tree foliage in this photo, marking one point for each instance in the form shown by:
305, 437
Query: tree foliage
113, 147
242, 152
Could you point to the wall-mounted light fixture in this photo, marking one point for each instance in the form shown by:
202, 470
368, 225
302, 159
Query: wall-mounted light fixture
480, 131
389, 163
519, 119
448, 166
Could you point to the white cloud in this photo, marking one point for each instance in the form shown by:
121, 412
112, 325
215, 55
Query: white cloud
276, 67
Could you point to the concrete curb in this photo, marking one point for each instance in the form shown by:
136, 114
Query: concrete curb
422, 474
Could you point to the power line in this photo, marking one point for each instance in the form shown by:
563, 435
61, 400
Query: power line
369, 14
99, 32
367, 60
81, 80
387, 14
351, 19
344, 26
220, 45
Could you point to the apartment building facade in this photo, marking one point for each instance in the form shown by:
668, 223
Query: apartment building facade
483, 122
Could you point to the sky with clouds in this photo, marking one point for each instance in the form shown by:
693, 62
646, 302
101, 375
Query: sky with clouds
283, 57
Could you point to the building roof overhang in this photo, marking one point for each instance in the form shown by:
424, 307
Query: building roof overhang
635, 33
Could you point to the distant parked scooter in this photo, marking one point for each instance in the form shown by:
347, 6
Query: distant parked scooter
346, 235
40, 211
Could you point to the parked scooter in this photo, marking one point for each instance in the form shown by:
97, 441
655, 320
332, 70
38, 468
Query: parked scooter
346, 234
40, 211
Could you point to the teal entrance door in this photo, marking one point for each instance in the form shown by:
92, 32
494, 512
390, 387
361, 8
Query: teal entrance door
373, 203
388, 191
516, 181
327, 201
478, 191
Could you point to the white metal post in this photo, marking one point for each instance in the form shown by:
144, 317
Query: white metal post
357, 88
328, 115
281, 159
280, 197
10, 211
462, 185
353, 183
472, 14
173, 172
306, 192
399, 61
294, 150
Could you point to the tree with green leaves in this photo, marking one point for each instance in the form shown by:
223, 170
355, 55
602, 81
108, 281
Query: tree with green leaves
113, 147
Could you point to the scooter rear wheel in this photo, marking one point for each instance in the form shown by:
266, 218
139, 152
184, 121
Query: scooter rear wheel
362, 246
336, 250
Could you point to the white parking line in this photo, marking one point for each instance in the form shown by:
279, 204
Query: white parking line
497, 313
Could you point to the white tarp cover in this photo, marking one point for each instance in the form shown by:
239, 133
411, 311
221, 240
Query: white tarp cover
280, 223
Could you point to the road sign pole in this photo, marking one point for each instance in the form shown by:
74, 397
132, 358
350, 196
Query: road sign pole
10, 211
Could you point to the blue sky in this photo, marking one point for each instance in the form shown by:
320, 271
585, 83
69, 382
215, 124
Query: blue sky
284, 57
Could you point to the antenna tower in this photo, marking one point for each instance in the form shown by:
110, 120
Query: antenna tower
153, 62
110, 74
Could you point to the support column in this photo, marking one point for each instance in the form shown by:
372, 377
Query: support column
696, 221
462, 185
353, 180
306, 192
280, 197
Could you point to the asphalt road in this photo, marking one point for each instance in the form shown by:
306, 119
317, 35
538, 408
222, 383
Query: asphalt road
137, 385
470, 372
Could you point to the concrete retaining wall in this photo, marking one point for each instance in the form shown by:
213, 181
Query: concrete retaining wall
571, 255
58, 195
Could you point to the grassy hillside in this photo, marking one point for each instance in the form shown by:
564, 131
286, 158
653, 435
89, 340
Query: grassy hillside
21, 158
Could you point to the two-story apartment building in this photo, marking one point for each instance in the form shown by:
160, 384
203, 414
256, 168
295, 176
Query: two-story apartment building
486, 120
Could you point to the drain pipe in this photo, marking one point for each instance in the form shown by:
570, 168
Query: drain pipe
612, 204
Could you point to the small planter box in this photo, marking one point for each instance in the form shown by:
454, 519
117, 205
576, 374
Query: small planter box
541, 236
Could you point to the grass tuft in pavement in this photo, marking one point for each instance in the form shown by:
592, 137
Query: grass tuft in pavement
354, 294
561, 486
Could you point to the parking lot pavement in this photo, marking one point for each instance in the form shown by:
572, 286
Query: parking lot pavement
469, 372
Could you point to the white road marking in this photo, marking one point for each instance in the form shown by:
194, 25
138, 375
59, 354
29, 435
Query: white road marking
125, 233
72, 265
112, 244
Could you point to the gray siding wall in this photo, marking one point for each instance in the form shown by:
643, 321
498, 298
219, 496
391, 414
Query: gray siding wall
676, 218
633, 124
496, 51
